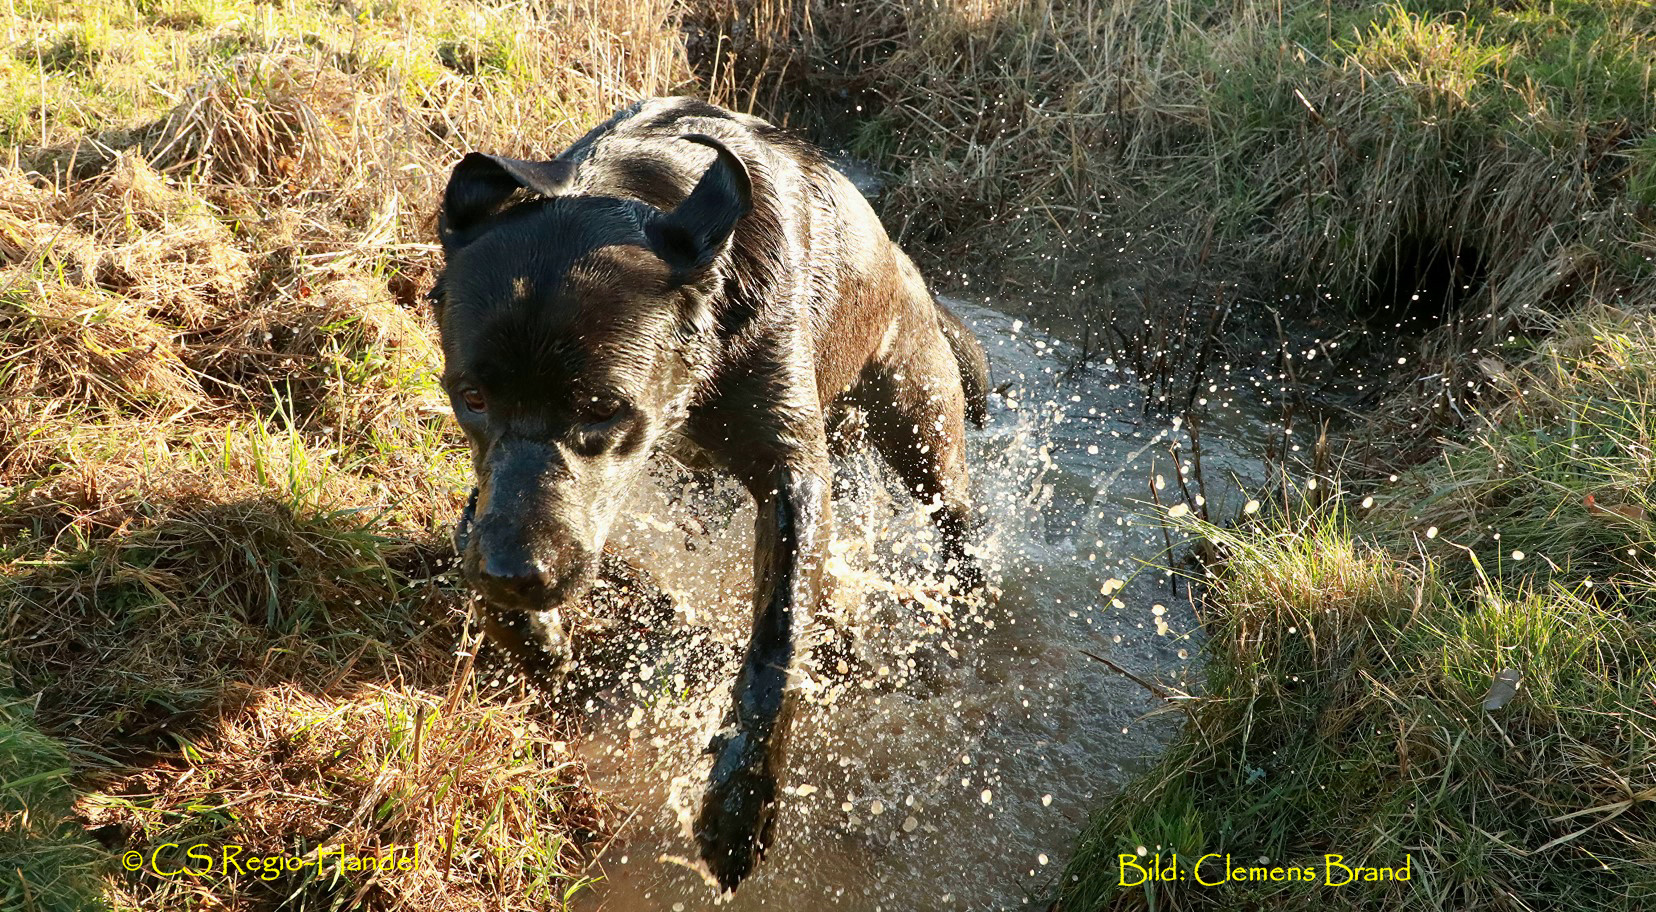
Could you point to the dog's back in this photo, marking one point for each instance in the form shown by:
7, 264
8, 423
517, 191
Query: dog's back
811, 253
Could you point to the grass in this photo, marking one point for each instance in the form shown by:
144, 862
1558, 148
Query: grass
1357, 697
1306, 138
50, 863
1565, 478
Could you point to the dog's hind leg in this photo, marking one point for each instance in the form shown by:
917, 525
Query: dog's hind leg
973, 362
917, 421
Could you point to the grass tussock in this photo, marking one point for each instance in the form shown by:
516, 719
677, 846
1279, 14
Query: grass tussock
1561, 476
1462, 676
480, 800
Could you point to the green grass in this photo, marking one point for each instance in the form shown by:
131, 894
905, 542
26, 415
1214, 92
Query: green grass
1563, 477
1350, 659
50, 864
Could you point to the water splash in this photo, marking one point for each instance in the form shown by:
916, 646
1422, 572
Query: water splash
938, 762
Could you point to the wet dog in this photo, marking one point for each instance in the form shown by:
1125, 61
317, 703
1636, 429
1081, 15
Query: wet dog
688, 280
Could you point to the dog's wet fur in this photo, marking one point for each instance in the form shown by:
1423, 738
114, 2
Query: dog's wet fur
688, 280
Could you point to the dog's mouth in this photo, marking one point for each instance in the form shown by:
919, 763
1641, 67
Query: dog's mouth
463, 528
571, 585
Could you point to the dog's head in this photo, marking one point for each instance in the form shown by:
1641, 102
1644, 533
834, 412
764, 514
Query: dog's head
573, 331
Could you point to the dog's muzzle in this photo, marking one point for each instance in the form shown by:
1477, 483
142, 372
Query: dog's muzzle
511, 574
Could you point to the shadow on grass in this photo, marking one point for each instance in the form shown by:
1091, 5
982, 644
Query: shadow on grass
138, 629
244, 673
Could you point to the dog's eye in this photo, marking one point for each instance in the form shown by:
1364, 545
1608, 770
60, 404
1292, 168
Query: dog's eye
600, 408
473, 398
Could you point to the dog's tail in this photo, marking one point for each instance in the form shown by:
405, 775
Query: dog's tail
974, 364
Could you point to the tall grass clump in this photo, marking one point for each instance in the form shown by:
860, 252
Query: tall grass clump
1461, 676
1558, 484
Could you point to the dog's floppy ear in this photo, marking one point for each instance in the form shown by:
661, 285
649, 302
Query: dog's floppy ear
690, 236
480, 183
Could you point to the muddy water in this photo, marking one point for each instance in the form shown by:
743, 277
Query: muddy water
949, 763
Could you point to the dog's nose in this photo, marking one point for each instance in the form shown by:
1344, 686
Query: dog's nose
516, 583
510, 578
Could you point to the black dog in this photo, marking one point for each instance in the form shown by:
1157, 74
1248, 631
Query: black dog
689, 280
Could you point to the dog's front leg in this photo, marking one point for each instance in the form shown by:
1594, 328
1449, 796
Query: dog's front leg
791, 540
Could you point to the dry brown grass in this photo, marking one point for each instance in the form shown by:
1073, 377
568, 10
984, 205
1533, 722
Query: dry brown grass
484, 793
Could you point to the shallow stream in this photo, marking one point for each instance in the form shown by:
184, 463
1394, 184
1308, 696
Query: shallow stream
954, 766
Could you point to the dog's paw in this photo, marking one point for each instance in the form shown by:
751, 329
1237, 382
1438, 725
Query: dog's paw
733, 826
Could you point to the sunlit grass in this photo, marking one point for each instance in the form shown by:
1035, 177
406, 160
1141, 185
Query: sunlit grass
1355, 701
1559, 482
